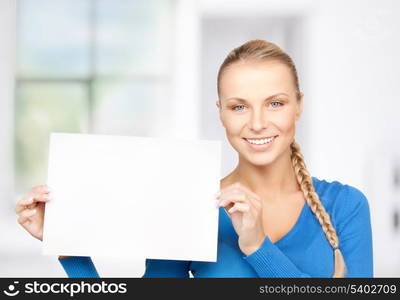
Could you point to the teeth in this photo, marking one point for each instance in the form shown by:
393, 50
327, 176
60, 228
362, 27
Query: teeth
260, 142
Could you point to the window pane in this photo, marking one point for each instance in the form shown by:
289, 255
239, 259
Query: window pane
132, 108
133, 37
53, 38
41, 109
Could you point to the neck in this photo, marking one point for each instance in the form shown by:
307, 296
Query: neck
271, 181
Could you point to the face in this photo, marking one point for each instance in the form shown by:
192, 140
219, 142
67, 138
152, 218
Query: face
259, 108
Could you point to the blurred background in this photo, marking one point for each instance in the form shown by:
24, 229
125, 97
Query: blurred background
149, 67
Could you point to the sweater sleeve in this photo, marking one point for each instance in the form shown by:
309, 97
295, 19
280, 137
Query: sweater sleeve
161, 268
79, 267
83, 267
355, 235
270, 261
355, 242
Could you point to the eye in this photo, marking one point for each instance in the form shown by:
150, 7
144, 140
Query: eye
276, 102
237, 106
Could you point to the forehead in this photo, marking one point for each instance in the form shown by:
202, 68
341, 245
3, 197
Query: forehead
256, 79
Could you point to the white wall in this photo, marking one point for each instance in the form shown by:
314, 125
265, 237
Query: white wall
354, 70
355, 105
186, 69
7, 63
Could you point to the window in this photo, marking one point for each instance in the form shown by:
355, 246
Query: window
89, 66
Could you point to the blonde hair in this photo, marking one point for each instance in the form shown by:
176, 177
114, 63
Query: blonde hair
263, 50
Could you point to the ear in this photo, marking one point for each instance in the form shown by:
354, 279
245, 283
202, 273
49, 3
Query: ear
217, 103
299, 110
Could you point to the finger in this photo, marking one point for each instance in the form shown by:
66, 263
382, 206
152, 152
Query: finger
238, 187
227, 188
242, 207
240, 193
22, 204
41, 189
225, 199
25, 215
252, 197
37, 190
29, 199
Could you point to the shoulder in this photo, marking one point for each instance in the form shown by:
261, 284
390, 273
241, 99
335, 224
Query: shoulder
339, 194
342, 201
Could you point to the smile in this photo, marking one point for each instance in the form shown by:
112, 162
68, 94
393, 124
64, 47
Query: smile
261, 141
260, 144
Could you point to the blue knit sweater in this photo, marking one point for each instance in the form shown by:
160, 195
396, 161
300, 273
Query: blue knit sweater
303, 252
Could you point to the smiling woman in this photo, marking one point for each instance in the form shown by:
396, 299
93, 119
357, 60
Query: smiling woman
261, 80
275, 219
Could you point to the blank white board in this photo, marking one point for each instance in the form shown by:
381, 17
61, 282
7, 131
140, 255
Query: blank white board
140, 197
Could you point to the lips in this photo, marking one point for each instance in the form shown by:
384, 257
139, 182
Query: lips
260, 144
260, 138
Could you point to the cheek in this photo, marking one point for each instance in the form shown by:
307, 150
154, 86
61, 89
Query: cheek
285, 121
233, 125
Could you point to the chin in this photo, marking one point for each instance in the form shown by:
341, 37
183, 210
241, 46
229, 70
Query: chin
260, 160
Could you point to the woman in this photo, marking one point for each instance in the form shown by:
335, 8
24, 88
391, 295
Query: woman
275, 219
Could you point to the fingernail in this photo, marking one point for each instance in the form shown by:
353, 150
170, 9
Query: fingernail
217, 194
33, 211
217, 203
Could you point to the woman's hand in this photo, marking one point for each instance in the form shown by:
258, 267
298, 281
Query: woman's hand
245, 210
30, 209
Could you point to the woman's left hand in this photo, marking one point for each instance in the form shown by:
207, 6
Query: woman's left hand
245, 210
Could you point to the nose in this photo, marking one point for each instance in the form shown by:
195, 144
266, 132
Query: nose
258, 120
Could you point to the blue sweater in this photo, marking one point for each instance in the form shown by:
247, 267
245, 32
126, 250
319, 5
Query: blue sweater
303, 252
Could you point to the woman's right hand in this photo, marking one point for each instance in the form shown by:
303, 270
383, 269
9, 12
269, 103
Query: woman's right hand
30, 209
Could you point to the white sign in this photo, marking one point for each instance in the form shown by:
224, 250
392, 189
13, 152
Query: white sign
141, 197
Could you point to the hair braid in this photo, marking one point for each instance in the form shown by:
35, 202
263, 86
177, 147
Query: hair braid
312, 198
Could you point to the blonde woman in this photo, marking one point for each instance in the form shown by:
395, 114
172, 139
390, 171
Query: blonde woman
275, 219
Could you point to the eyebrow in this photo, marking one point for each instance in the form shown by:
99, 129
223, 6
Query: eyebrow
244, 100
